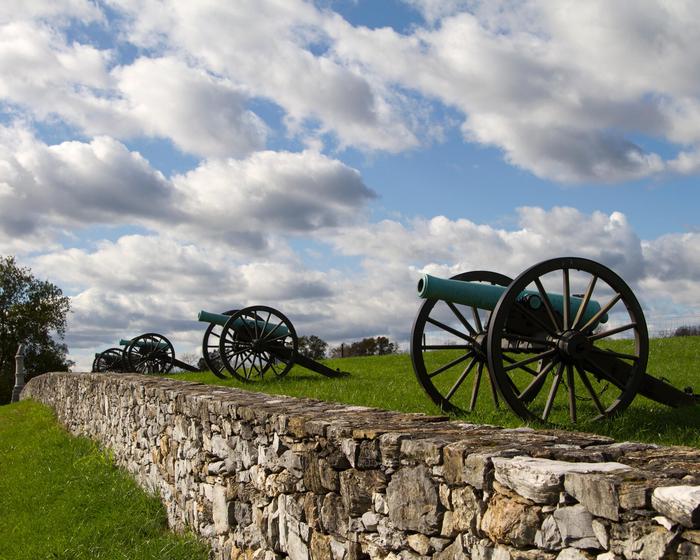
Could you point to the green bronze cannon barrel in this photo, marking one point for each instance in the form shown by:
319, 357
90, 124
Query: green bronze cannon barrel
143, 343
485, 296
221, 319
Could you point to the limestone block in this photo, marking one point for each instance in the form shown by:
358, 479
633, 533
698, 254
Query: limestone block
604, 495
357, 488
679, 503
421, 450
390, 448
220, 510
548, 536
640, 540
688, 551
296, 547
320, 546
379, 503
575, 525
419, 543
574, 554
607, 556
334, 517
541, 480
368, 455
453, 552
600, 530
311, 473
439, 544
466, 508
501, 552
370, 520
413, 500
511, 522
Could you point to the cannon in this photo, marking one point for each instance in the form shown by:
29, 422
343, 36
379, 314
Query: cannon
151, 353
147, 353
249, 342
565, 341
111, 359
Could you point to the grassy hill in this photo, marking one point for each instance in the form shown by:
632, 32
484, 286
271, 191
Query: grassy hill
389, 382
62, 497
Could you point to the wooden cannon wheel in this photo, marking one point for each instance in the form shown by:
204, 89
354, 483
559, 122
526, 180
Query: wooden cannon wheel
210, 348
150, 353
560, 367
111, 359
257, 339
448, 345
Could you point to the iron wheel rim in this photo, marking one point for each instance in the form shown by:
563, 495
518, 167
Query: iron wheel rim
579, 375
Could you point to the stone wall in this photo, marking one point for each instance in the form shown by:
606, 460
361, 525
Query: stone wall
271, 477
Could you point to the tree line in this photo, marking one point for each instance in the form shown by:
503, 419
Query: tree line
316, 348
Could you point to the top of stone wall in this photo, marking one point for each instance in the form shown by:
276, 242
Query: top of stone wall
419, 436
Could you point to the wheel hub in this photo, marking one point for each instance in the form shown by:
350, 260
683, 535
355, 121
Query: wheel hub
574, 345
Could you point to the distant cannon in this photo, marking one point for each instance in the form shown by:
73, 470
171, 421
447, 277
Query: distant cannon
111, 359
151, 353
249, 342
544, 340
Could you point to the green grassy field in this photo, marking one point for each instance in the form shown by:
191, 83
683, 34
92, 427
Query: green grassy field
61, 497
388, 382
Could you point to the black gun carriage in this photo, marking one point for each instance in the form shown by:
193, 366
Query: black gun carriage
247, 343
544, 343
146, 353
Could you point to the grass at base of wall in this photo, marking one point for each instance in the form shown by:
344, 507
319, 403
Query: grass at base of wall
61, 497
388, 382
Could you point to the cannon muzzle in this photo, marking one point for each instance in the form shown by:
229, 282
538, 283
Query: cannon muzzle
486, 296
220, 319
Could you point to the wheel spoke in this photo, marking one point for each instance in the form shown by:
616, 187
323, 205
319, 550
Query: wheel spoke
267, 320
446, 347
453, 363
611, 332
566, 293
475, 386
547, 304
603, 310
461, 318
584, 304
246, 326
461, 379
529, 360
477, 320
450, 330
269, 335
552, 393
524, 368
536, 383
587, 384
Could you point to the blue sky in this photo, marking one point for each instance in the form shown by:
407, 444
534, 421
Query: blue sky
159, 158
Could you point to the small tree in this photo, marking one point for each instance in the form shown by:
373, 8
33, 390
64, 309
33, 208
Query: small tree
32, 312
312, 347
687, 330
385, 346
